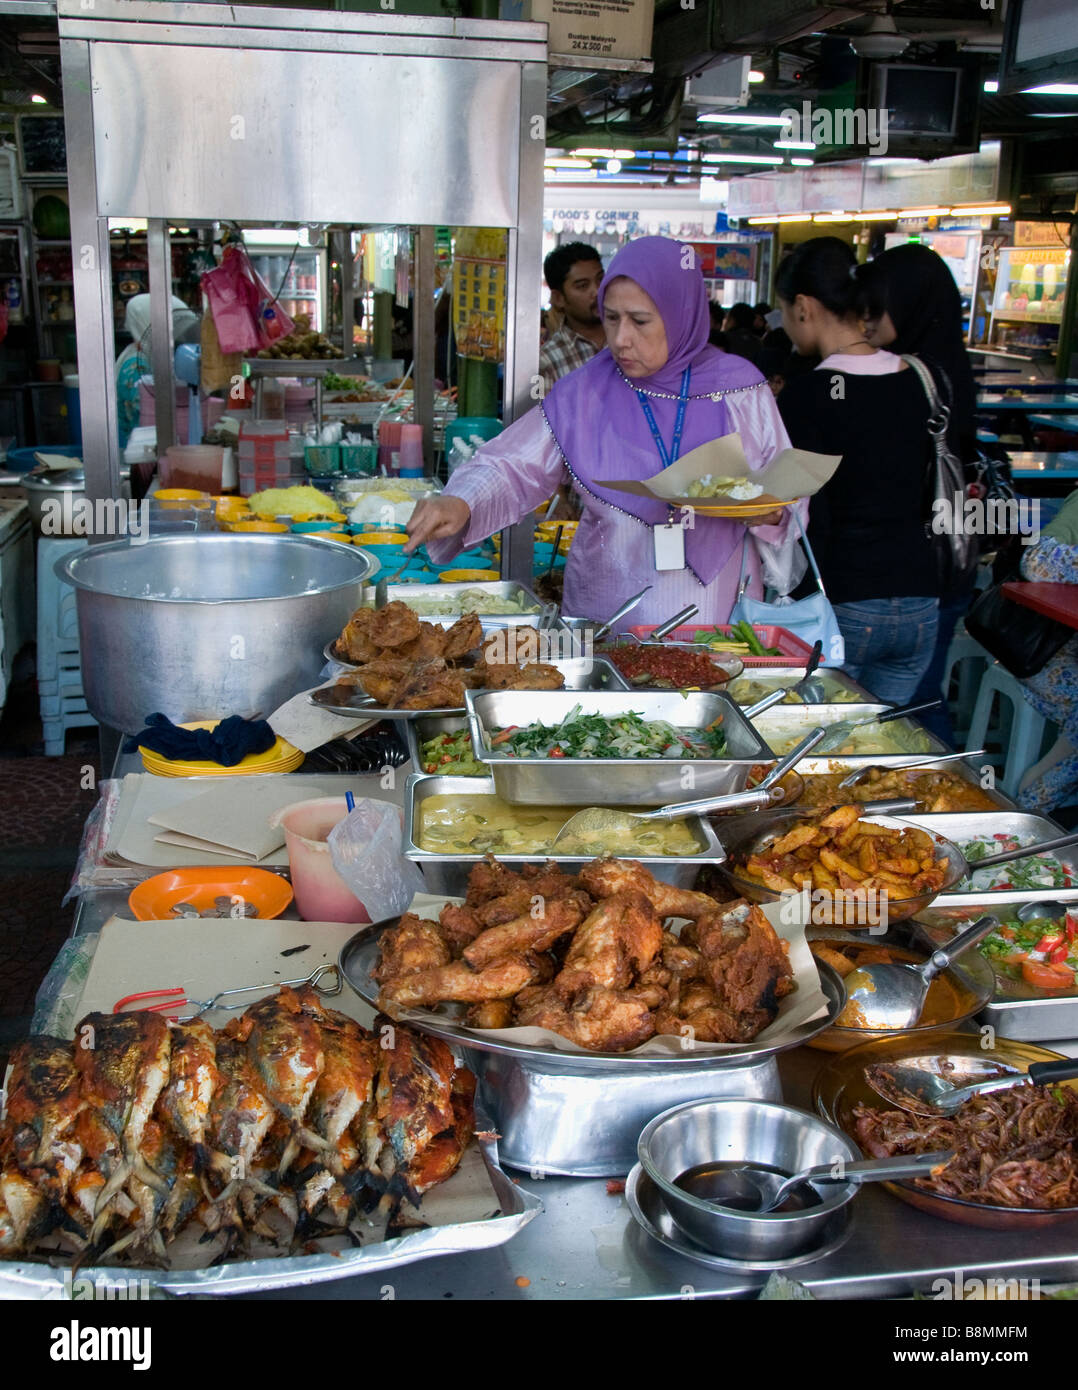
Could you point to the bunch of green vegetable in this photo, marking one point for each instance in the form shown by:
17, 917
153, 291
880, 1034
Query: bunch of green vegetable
594, 736
742, 636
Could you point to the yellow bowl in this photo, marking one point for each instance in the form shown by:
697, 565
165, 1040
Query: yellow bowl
321, 516
262, 527
330, 536
468, 576
181, 494
382, 538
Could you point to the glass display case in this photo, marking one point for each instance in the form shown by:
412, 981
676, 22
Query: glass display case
1027, 306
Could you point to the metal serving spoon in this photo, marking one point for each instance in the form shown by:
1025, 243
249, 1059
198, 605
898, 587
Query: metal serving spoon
854, 777
924, 1092
838, 731
618, 614
892, 995
759, 1191
810, 686
602, 822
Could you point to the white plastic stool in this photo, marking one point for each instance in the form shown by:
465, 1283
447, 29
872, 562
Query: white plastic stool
59, 665
971, 660
1025, 735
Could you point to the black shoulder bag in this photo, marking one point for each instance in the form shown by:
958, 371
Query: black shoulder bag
955, 553
1021, 640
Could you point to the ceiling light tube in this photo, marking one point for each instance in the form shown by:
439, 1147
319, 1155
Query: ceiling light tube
720, 118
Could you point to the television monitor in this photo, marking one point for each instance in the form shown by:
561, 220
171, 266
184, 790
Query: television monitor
1040, 45
920, 100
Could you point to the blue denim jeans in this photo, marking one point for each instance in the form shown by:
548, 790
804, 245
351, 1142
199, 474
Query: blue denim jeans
889, 644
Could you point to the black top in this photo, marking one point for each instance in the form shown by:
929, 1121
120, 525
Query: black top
867, 524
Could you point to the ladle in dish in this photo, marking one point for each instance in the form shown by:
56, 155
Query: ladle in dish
760, 1191
854, 777
603, 822
810, 687
892, 995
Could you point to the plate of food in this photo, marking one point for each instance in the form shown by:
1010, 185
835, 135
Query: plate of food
1016, 1151
618, 965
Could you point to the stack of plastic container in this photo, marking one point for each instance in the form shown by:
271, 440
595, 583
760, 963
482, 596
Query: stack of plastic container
264, 457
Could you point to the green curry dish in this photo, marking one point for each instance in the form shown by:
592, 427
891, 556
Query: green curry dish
596, 736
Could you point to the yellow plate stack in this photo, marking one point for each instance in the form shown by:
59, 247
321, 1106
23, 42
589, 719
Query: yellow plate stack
282, 757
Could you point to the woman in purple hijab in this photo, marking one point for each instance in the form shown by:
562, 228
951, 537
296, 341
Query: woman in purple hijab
657, 390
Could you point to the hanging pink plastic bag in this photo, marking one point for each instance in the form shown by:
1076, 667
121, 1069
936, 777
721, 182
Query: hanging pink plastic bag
244, 311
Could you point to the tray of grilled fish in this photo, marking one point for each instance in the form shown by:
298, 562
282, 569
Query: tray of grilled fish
292, 1146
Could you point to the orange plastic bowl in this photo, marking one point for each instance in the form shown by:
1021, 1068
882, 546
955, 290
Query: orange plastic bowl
153, 899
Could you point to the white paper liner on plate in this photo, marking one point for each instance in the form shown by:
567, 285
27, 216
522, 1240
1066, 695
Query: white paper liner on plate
790, 474
804, 1004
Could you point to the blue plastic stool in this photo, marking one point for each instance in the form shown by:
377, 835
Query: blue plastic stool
59, 663
967, 662
1022, 739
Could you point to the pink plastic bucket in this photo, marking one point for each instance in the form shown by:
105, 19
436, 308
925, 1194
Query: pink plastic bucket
321, 893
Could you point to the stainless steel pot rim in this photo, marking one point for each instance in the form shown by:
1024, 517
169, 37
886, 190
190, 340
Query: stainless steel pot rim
636, 1185
67, 567
556, 1061
844, 1192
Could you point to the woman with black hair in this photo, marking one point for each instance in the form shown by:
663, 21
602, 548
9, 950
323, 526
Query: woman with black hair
914, 306
867, 524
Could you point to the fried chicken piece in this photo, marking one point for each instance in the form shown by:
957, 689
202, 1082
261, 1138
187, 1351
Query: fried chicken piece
617, 941
429, 685
458, 925
463, 637
681, 958
427, 645
378, 678
599, 1019
549, 880
492, 1013
530, 932
602, 877
457, 981
697, 1013
746, 961
508, 906
413, 945
394, 625
490, 879
355, 642
536, 676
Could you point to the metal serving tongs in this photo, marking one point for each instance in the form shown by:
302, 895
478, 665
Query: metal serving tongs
630, 603
603, 821
201, 1006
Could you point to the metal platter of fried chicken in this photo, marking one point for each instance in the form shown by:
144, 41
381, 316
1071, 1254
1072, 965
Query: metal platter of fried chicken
589, 957
290, 1124
405, 663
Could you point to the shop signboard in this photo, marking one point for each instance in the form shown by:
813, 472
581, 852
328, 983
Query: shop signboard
726, 260
1042, 234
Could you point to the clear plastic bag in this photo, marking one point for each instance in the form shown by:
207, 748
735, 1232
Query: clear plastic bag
366, 851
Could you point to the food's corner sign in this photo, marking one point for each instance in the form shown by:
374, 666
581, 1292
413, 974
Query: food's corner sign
595, 28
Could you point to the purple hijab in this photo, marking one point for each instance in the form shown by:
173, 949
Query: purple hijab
598, 421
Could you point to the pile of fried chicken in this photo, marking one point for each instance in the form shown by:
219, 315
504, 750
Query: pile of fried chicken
588, 957
290, 1123
408, 664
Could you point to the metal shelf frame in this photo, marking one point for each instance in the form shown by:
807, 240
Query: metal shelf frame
168, 119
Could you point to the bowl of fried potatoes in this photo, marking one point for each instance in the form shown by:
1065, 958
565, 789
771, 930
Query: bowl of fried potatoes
856, 870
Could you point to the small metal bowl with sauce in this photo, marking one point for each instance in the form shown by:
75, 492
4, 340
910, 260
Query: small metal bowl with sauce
680, 1149
953, 997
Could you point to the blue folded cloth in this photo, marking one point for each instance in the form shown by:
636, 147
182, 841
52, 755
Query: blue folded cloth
232, 740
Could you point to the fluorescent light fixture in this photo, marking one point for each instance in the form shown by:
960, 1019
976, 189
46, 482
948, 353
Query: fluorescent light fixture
801, 162
598, 154
793, 144
781, 217
742, 158
1054, 115
924, 212
613, 166
983, 210
39, 100
567, 164
1053, 89
723, 118
876, 216
991, 85
755, 76
833, 217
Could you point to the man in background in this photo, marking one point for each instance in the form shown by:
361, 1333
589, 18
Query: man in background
573, 273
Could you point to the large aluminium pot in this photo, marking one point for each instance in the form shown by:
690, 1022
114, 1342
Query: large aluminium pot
47, 492
202, 626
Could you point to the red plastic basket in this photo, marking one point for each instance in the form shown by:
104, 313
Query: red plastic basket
794, 652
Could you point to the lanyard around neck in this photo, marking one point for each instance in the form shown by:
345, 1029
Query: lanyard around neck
649, 415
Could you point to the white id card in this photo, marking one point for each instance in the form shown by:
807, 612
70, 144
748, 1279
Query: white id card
669, 546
